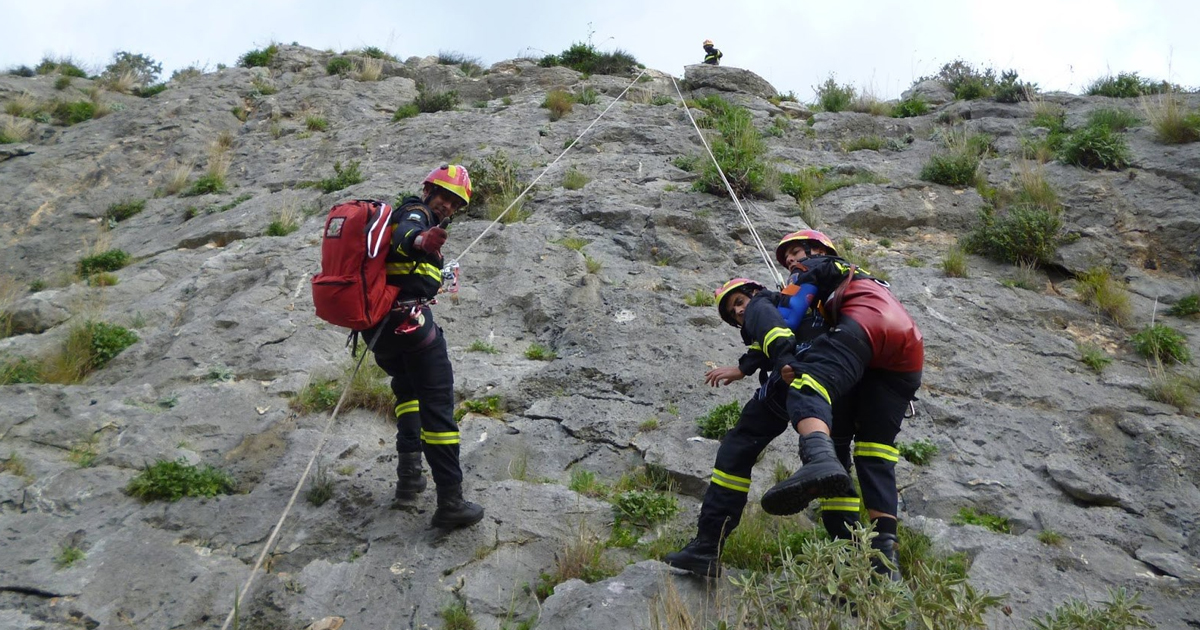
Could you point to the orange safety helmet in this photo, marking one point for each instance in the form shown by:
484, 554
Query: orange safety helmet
454, 178
708, 42
800, 237
742, 284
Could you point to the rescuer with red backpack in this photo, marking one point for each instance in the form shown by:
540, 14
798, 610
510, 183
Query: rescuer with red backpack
381, 286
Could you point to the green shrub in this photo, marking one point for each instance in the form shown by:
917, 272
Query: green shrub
457, 617
62, 83
800, 587
832, 97
739, 150
339, 65
871, 143
559, 102
700, 297
687, 163
406, 111
258, 58
65, 66
103, 280
955, 169
584, 482
538, 352
760, 541
965, 80
141, 68
207, 184
120, 211
1025, 232
662, 99
573, 243
110, 260
1125, 85
814, 182
574, 179
104, 342
482, 346
20, 370
587, 96
342, 177
909, 107
919, 452
74, 112
587, 59
1162, 343
173, 480
316, 123
1115, 118
968, 516
1094, 357
1095, 146
497, 184
471, 66
146, 91
1187, 305
428, 102
1050, 537
282, 225
1012, 90
68, 556
717, 422
1098, 288
1121, 611
1173, 389
317, 395
644, 508
489, 406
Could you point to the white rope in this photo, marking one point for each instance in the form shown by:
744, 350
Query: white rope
548, 167
300, 484
758, 242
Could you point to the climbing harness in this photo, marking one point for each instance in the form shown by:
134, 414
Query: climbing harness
758, 242
412, 310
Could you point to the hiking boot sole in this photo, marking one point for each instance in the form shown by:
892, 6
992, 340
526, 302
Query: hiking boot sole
793, 494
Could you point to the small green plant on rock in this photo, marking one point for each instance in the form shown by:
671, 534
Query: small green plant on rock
1050, 537
121, 211
1098, 288
538, 352
68, 556
1094, 357
428, 101
644, 508
1121, 611
954, 265
559, 102
717, 422
110, 260
173, 480
700, 297
406, 111
489, 406
1095, 146
457, 617
321, 489
342, 177
998, 524
1162, 343
919, 452
575, 179
259, 57
482, 346
1187, 306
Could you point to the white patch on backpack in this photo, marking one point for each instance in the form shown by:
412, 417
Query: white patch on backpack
414, 216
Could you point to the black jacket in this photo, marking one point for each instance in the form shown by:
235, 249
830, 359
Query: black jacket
419, 275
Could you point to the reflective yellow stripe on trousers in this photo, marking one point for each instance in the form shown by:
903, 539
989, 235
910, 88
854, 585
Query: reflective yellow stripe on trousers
733, 482
446, 437
875, 449
408, 406
840, 504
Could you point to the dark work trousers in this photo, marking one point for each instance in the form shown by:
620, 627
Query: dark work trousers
762, 420
871, 406
423, 382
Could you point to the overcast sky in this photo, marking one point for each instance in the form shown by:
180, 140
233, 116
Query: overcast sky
880, 45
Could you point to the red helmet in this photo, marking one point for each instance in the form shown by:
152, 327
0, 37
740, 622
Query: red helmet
454, 178
800, 237
742, 284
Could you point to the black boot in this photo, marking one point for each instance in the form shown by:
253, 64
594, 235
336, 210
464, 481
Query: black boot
886, 544
700, 557
411, 481
453, 510
822, 475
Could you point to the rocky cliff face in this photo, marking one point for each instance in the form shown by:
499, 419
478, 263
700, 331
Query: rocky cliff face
227, 335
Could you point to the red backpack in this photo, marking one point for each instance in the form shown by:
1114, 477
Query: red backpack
352, 289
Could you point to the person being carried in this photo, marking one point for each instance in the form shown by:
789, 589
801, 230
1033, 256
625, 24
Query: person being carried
411, 348
712, 56
759, 313
873, 349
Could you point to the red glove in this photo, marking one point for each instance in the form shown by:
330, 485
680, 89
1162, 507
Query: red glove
430, 241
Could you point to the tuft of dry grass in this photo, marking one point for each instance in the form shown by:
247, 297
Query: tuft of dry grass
15, 129
1099, 289
177, 176
369, 69
123, 83
559, 102
1172, 123
224, 142
23, 104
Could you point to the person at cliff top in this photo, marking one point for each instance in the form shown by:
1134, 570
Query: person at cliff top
712, 56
